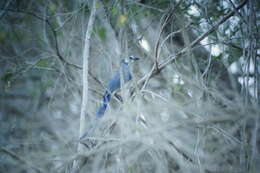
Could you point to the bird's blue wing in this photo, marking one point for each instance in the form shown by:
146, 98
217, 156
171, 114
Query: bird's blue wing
113, 85
106, 98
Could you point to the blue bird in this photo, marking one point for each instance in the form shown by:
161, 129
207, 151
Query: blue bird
115, 84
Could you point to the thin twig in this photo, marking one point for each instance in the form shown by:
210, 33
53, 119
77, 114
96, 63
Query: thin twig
150, 7
234, 7
208, 65
194, 43
53, 32
168, 15
20, 159
6, 6
171, 35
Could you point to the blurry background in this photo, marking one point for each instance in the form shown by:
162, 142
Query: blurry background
199, 113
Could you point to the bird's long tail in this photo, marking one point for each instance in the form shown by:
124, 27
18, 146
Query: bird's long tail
101, 110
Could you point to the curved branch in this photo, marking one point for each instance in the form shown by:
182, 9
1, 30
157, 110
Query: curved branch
80, 148
53, 32
171, 58
21, 160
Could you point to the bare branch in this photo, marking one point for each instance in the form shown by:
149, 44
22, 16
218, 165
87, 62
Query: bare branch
194, 43
234, 7
20, 159
53, 32
79, 163
4, 12
150, 7
168, 16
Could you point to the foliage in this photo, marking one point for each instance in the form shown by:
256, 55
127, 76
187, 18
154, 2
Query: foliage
184, 111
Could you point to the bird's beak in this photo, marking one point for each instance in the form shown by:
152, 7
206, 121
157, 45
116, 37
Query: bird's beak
134, 58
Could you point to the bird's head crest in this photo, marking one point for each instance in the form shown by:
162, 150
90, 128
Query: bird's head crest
130, 59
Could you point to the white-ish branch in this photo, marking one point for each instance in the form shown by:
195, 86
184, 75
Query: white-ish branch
77, 164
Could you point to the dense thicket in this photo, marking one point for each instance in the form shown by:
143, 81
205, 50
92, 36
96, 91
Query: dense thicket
192, 106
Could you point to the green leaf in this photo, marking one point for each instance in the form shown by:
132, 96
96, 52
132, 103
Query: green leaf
122, 19
98, 4
43, 63
218, 57
7, 77
52, 8
115, 11
102, 33
2, 36
47, 84
236, 53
